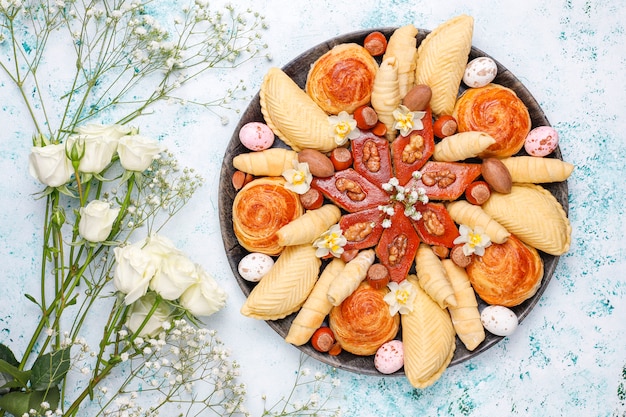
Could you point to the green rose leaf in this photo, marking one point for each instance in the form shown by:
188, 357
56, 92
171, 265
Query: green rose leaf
51, 396
16, 403
7, 355
20, 376
49, 369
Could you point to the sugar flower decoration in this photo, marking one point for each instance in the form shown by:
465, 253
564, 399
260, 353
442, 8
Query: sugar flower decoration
400, 297
407, 121
343, 127
331, 242
299, 178
475, 241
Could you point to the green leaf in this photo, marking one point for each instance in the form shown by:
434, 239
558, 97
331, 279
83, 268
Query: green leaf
31, 298
16, 403
52, 397
50, 369
20, 376
7, 355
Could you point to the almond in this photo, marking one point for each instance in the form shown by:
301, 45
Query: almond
319, 164
497, 175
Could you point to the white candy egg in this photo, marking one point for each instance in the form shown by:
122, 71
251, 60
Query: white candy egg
389, 357
255, 266
499, 320
480, 71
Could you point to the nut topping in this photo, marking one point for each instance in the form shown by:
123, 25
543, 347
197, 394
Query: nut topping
432, 223
371, 156
443, 178
351, 188
358, 231
397, 249
413, 150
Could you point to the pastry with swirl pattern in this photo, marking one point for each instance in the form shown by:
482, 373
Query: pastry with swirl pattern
342, 78
260, 209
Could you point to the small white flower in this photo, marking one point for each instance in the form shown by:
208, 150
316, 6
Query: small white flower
299, 178
475, 241
331, 241
400, 297
407, 121
124, 356
343, 127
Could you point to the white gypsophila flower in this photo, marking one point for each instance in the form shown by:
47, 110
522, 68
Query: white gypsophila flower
50, 165
96, 221
137, 152
138, 315
204, 297
175, 271
134, 270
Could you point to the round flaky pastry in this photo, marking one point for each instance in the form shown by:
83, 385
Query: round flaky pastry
260, 209
342, 78
362, 323
507, 274
497, 111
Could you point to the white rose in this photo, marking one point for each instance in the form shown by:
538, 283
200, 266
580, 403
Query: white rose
139, 313
175, 272
204, 297
50, 165
137, 152
113, 132
96, 220
135, 268
99, 152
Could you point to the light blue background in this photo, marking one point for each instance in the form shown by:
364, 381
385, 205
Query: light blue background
569, 355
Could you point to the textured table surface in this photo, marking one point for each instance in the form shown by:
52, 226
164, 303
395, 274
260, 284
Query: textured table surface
568, 357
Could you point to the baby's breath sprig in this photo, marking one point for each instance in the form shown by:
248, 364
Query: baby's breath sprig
408, 196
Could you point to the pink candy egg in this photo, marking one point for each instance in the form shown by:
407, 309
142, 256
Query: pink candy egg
541, 141
256, 136
389, 357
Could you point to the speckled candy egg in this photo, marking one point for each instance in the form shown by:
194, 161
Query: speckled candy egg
499, 320
389, 357
480, 71
541, 141
256, 136
255, 266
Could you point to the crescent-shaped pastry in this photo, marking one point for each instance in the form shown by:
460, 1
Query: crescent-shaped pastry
342, 78
260, 209
286, 286
534, 215
386, 96
309, 226
292, 115
428, 338
533, 169
270, 162
461, 146
474, 216
362, 322
497, 111
316, 307
432, 277
441, 61
402, 45
350, 277
465, 316
507, 274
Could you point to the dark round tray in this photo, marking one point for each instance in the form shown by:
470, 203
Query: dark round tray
298, 69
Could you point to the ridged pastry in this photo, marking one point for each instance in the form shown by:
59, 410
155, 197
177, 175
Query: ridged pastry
465, 316
461, 146
534, 215
402, 45
533, 169
351, 276
292, 115
428, 338
432, 277
362, 323
386, 96
286, 286
269, 162
507, 274
342, 78
474, 216
316, 307
441, 61
260, 209
497, 111
309, 226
